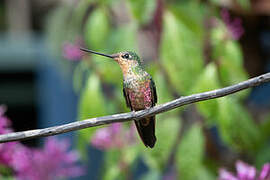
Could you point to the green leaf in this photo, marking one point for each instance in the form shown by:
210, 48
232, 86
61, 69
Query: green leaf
231, 64
92, 104
206, 82
265, 128
112, 162
236, 126
263, 156
191, 14
78, 76
116, 161
205, 174
153, 175
96, 29
7, 178
190, 153
164, 95
166, 132
245, 4
120, 39
178, 55
230, 60
123, 38
141, 10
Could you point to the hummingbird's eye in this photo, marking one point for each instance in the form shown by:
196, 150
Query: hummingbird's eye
126, 56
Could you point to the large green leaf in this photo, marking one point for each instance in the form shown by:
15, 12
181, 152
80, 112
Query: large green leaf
190, 153
181, 53
119, 39
141, 10
112, 164
191, 14
153, 175
164, 95
116, 160
123, 38
230, 60
263, 156
92, 104
96, 29
205, 174
206, 82
265, 129
236, 126
166, 133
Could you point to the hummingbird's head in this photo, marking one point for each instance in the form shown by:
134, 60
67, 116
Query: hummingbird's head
126, 60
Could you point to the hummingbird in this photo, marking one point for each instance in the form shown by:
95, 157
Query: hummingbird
139, 91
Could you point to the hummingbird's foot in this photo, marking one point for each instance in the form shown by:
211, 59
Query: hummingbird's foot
134, 114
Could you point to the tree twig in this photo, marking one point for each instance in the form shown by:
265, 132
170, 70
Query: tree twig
16, 136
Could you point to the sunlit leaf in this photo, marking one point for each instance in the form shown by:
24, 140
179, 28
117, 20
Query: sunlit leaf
166, 133
78, 76
96, 29
236, 126
245, 4
207, 81
92, 104
191, 14
112, 169
121, 39
181, 53
205, 174
229, 58
190, 153
153, 175
116, 160
141, 10
164, 95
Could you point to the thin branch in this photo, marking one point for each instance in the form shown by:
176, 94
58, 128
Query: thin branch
16, 136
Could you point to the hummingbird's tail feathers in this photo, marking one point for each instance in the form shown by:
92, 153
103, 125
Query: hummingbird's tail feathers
146, 130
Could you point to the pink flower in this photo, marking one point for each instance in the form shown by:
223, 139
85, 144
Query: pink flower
265, 173
226, 175
245, 172
54, 161
6, 149
234, 26
113, 137
72, 51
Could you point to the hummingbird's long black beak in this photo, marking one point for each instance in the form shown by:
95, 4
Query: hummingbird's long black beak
94, 52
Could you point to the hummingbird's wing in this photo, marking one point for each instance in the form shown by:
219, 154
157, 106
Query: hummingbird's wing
153, 92
127, 98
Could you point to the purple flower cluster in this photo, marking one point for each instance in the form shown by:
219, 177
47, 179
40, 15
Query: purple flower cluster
234, 26
54, 161
7, 149
72, 51
245, 172
51, 162
113, 137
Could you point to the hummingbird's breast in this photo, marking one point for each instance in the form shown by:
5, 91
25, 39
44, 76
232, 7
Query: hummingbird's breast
139, 91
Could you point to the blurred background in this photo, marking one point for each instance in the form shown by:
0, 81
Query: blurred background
188, 46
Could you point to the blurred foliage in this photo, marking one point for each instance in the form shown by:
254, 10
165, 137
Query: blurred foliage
180, 65
190, 154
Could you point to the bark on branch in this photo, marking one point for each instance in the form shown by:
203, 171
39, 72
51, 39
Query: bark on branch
16, 136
